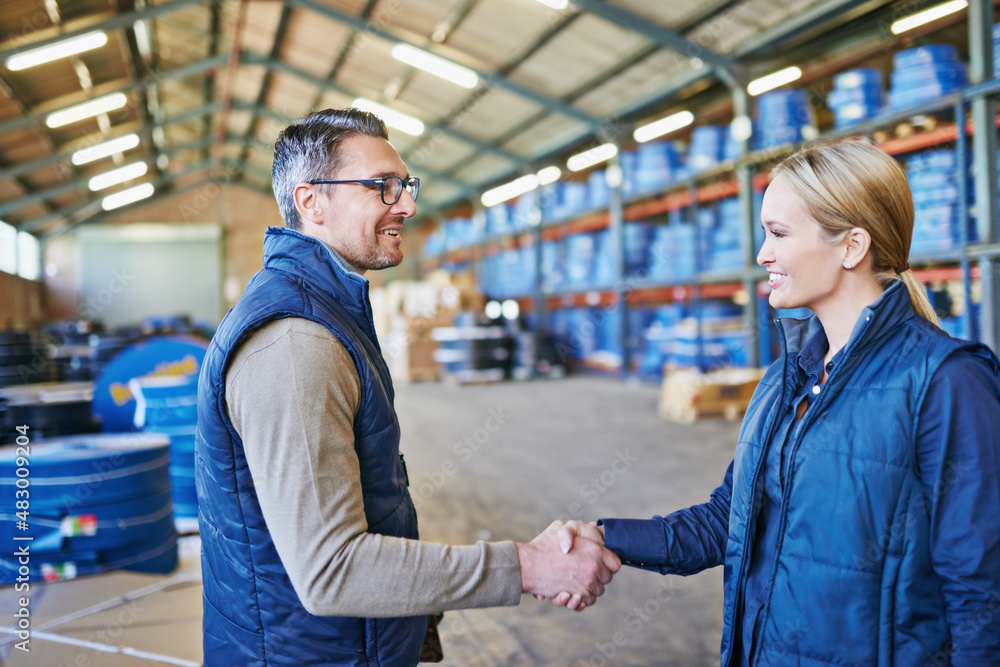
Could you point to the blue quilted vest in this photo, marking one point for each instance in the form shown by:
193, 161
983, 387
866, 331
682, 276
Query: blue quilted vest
851, 580
252, 615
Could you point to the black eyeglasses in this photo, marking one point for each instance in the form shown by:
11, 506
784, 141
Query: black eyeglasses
391, 187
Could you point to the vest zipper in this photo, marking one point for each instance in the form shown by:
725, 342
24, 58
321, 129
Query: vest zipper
745, 561
807, 421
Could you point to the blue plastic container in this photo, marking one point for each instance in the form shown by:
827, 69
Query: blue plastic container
925, 73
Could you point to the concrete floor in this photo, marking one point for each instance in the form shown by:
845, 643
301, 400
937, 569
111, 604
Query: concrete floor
553, 457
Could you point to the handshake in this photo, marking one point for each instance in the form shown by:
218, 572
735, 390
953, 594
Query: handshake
567, 563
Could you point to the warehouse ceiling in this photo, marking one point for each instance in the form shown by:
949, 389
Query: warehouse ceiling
205, 86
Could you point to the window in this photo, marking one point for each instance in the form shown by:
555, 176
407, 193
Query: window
8, 248
29, 265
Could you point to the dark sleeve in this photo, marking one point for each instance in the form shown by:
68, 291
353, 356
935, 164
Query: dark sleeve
685, 542
958, 455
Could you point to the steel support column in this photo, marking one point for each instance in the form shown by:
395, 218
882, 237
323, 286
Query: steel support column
984, 165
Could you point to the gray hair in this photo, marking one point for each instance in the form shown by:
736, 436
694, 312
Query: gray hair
309, 149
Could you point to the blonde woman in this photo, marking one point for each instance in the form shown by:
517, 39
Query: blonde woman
859, 522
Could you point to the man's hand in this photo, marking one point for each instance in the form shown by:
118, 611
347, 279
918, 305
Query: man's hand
573, 529
567, 535
580, 573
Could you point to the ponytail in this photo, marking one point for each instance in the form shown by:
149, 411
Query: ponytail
918, 296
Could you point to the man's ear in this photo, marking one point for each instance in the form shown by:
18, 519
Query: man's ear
857, 243
308, 203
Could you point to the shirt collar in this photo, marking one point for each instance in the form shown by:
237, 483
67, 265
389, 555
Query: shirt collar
811, 356
341, 262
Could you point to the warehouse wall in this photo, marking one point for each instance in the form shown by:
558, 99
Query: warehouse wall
244, 215
20, 302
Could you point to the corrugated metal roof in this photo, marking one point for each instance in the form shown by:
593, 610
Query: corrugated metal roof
215, 73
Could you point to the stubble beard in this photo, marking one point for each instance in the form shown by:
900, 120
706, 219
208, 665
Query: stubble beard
371, 258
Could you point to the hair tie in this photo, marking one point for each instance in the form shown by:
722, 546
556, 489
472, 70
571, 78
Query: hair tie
904, 267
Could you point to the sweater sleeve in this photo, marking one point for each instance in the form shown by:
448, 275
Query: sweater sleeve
292, 392
684, 542
958, 456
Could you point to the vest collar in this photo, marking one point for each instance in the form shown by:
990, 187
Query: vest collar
315, 263
890, 309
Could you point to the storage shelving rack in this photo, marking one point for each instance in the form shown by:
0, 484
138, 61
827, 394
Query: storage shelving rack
973, 131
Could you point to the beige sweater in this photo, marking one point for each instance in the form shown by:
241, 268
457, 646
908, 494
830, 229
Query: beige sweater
292, 392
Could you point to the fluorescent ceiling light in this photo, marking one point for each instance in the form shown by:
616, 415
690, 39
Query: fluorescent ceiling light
89, 109
142, 39
105, 148
774, 80
555, 4
591, 157
129, 196
116, 176
663, 126
548, 175
435, 65
515, 188
928, 15
63, 49
391, 117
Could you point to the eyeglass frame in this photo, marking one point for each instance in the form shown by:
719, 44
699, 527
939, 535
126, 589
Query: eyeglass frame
371, 182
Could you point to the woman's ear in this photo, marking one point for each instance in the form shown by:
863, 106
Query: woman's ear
857, 243
308, 203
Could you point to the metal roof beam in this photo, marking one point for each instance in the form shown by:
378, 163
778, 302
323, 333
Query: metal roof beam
841, 10
180, 72
81, 183
92, 207
280, 117
726, 69
27, 167
345, 51
553, 104
265, 84
146, 97
158, 195
272, 64
208, 88
123, 20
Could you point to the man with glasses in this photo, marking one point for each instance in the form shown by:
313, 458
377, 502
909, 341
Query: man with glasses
310, 553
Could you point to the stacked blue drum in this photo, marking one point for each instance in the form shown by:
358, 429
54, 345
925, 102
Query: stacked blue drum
605, 271
657, 164
552, 266
727, 244
168, 405
933, 180
598, 190
673, 253
721, 341
637, 238
925, 73
782, 116
996, 50
580, 252
857, 96
707, 148
658, 339
97, 503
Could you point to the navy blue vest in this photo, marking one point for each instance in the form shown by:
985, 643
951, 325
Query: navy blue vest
252, 615
852, 558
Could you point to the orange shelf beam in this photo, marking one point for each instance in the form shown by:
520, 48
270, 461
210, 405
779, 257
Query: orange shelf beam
928, 139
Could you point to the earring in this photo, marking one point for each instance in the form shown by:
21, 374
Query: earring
848, 265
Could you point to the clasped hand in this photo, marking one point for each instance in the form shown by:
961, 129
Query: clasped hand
567, 563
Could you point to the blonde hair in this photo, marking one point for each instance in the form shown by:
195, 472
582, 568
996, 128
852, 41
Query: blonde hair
850, 183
